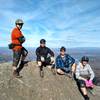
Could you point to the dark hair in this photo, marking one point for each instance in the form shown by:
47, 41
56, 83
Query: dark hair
62, 48
85, 58
42, 41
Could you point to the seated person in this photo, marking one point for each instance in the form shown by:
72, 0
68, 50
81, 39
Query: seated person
42, 53
84, 76
65, 64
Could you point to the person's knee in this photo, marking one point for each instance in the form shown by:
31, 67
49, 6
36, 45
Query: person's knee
81, 83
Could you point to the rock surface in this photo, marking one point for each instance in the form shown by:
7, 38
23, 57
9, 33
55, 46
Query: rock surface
33, 87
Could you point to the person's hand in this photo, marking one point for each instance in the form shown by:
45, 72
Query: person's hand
52, 59
84, 79
42, 59
91, 83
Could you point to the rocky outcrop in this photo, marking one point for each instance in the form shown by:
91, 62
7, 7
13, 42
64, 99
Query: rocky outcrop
33, 87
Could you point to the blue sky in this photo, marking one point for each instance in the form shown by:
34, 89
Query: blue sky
70, 23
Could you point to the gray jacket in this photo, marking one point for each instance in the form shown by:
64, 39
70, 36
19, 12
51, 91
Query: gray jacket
86, 71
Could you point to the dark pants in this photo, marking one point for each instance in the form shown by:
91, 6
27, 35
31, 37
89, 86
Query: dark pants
45, 63
17, 56
81, 83
65, 69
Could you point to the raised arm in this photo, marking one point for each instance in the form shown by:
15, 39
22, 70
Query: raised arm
51, 52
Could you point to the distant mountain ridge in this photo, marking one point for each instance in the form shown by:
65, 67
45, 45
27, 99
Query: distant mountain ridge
77, 53
6, 54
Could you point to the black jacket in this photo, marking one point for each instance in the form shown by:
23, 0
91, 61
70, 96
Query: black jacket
43, 51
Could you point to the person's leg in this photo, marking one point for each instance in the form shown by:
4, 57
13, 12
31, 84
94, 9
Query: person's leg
23, 55
16, 58
50, 62
67, 71
83, 89
40, 65
61, 72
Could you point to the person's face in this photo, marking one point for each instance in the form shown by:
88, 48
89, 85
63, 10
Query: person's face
62, 52
42, 44
84, 63
19, 26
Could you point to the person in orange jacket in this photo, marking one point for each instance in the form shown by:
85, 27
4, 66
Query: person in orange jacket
18, 50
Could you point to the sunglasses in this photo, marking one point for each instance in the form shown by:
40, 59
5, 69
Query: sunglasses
42, 43
20, 24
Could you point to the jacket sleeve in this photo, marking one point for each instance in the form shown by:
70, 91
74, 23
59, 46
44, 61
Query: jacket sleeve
17, 34
50, 52
91, 73
58, 64
77, 72
71, 60
38, 54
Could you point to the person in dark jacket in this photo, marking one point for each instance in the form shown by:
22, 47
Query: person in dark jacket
43, 58
65, 64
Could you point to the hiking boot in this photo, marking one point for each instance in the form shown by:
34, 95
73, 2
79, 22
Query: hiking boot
16, 74
86, 97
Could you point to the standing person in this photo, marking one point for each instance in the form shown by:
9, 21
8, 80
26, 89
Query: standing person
43, 59
84, 76
18, 50
65, 64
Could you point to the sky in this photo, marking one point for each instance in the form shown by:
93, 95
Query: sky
69, 23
